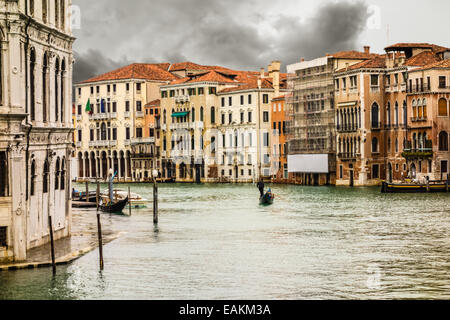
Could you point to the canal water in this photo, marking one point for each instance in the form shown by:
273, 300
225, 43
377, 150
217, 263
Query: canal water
216, 242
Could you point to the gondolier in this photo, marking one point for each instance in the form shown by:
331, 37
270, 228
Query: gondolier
260, 186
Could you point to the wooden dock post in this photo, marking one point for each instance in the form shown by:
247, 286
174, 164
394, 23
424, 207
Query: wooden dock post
87, 191
129, 203
52, 244
98, 195
447, 182
155, 202
100, 240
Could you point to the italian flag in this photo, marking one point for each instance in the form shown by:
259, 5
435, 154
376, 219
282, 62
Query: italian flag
88, 106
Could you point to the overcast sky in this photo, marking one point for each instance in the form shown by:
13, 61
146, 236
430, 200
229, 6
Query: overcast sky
246, 34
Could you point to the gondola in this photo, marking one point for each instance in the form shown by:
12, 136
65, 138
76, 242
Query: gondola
267, 199
115, 207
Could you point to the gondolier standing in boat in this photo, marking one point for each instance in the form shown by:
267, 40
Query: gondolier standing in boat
260, 186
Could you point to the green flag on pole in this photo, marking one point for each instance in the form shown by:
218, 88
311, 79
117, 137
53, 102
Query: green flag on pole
88, 106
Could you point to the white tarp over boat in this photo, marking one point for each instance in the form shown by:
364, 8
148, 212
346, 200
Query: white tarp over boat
308, 163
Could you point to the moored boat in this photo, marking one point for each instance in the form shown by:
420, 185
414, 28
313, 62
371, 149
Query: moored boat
113, 207
432, 186
134, 200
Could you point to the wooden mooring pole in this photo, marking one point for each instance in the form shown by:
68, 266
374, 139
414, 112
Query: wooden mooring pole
100, 240
87, 191
155, 202
129, 203
52, 244
97, 199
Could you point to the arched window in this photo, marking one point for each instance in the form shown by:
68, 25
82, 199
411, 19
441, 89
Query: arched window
103, 131
56, 13
443, 141
33, 178
374, 145
424, 108
63, 14
32, 84
213, 115
45, 178
44, 87
62, 85
192, 142
414, 109
442, 107
44, 11
56, 88
405, 114
419, 109
396, 114
80, 165
388, 111
375, 115
57, 168
63, 174
193, 114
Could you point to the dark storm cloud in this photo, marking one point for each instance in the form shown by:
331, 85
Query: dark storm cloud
224, 33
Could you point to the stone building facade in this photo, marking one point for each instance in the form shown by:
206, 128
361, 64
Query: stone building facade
388, 121
35, 124
116, 121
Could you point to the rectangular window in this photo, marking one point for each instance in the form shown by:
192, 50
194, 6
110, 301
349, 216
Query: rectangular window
242, 117
3, 174
442, 82
138, 132
152, 132
91, 135
344, 83
375, 171
114, 88
230, 101
114, 106
242, 100
79, 109
138, 105
265, 98
127, 133
444, 166
80, 135
374, 80
223, 102
127, 106
341, 172
249, 99
212, 90
266, 139
3, 237
249, 116
138, 86
127, 87
108, 88
223, 118
98, 89
79, 91
114, 132
230, 118
201, 91
266, 116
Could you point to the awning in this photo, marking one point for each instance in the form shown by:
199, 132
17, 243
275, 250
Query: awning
180, 114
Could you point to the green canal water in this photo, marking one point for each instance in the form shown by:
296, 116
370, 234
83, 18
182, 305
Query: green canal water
216, 242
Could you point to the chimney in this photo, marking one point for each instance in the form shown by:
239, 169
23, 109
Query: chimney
262, 73
367, 49
275, 70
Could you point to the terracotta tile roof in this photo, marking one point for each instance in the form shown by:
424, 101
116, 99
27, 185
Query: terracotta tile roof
253, 84
421, 59
142, 71
438, 65
154, 103
378, 62
400, 46
283, 97
180, 66
357, 55
207, 76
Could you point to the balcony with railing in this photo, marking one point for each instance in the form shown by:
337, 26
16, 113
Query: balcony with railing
418, 150
139, 114
418, 88
182, 98
342, 128
376, 125
345, 156
143, 140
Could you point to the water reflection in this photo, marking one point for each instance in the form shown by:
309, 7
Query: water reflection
216, 242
